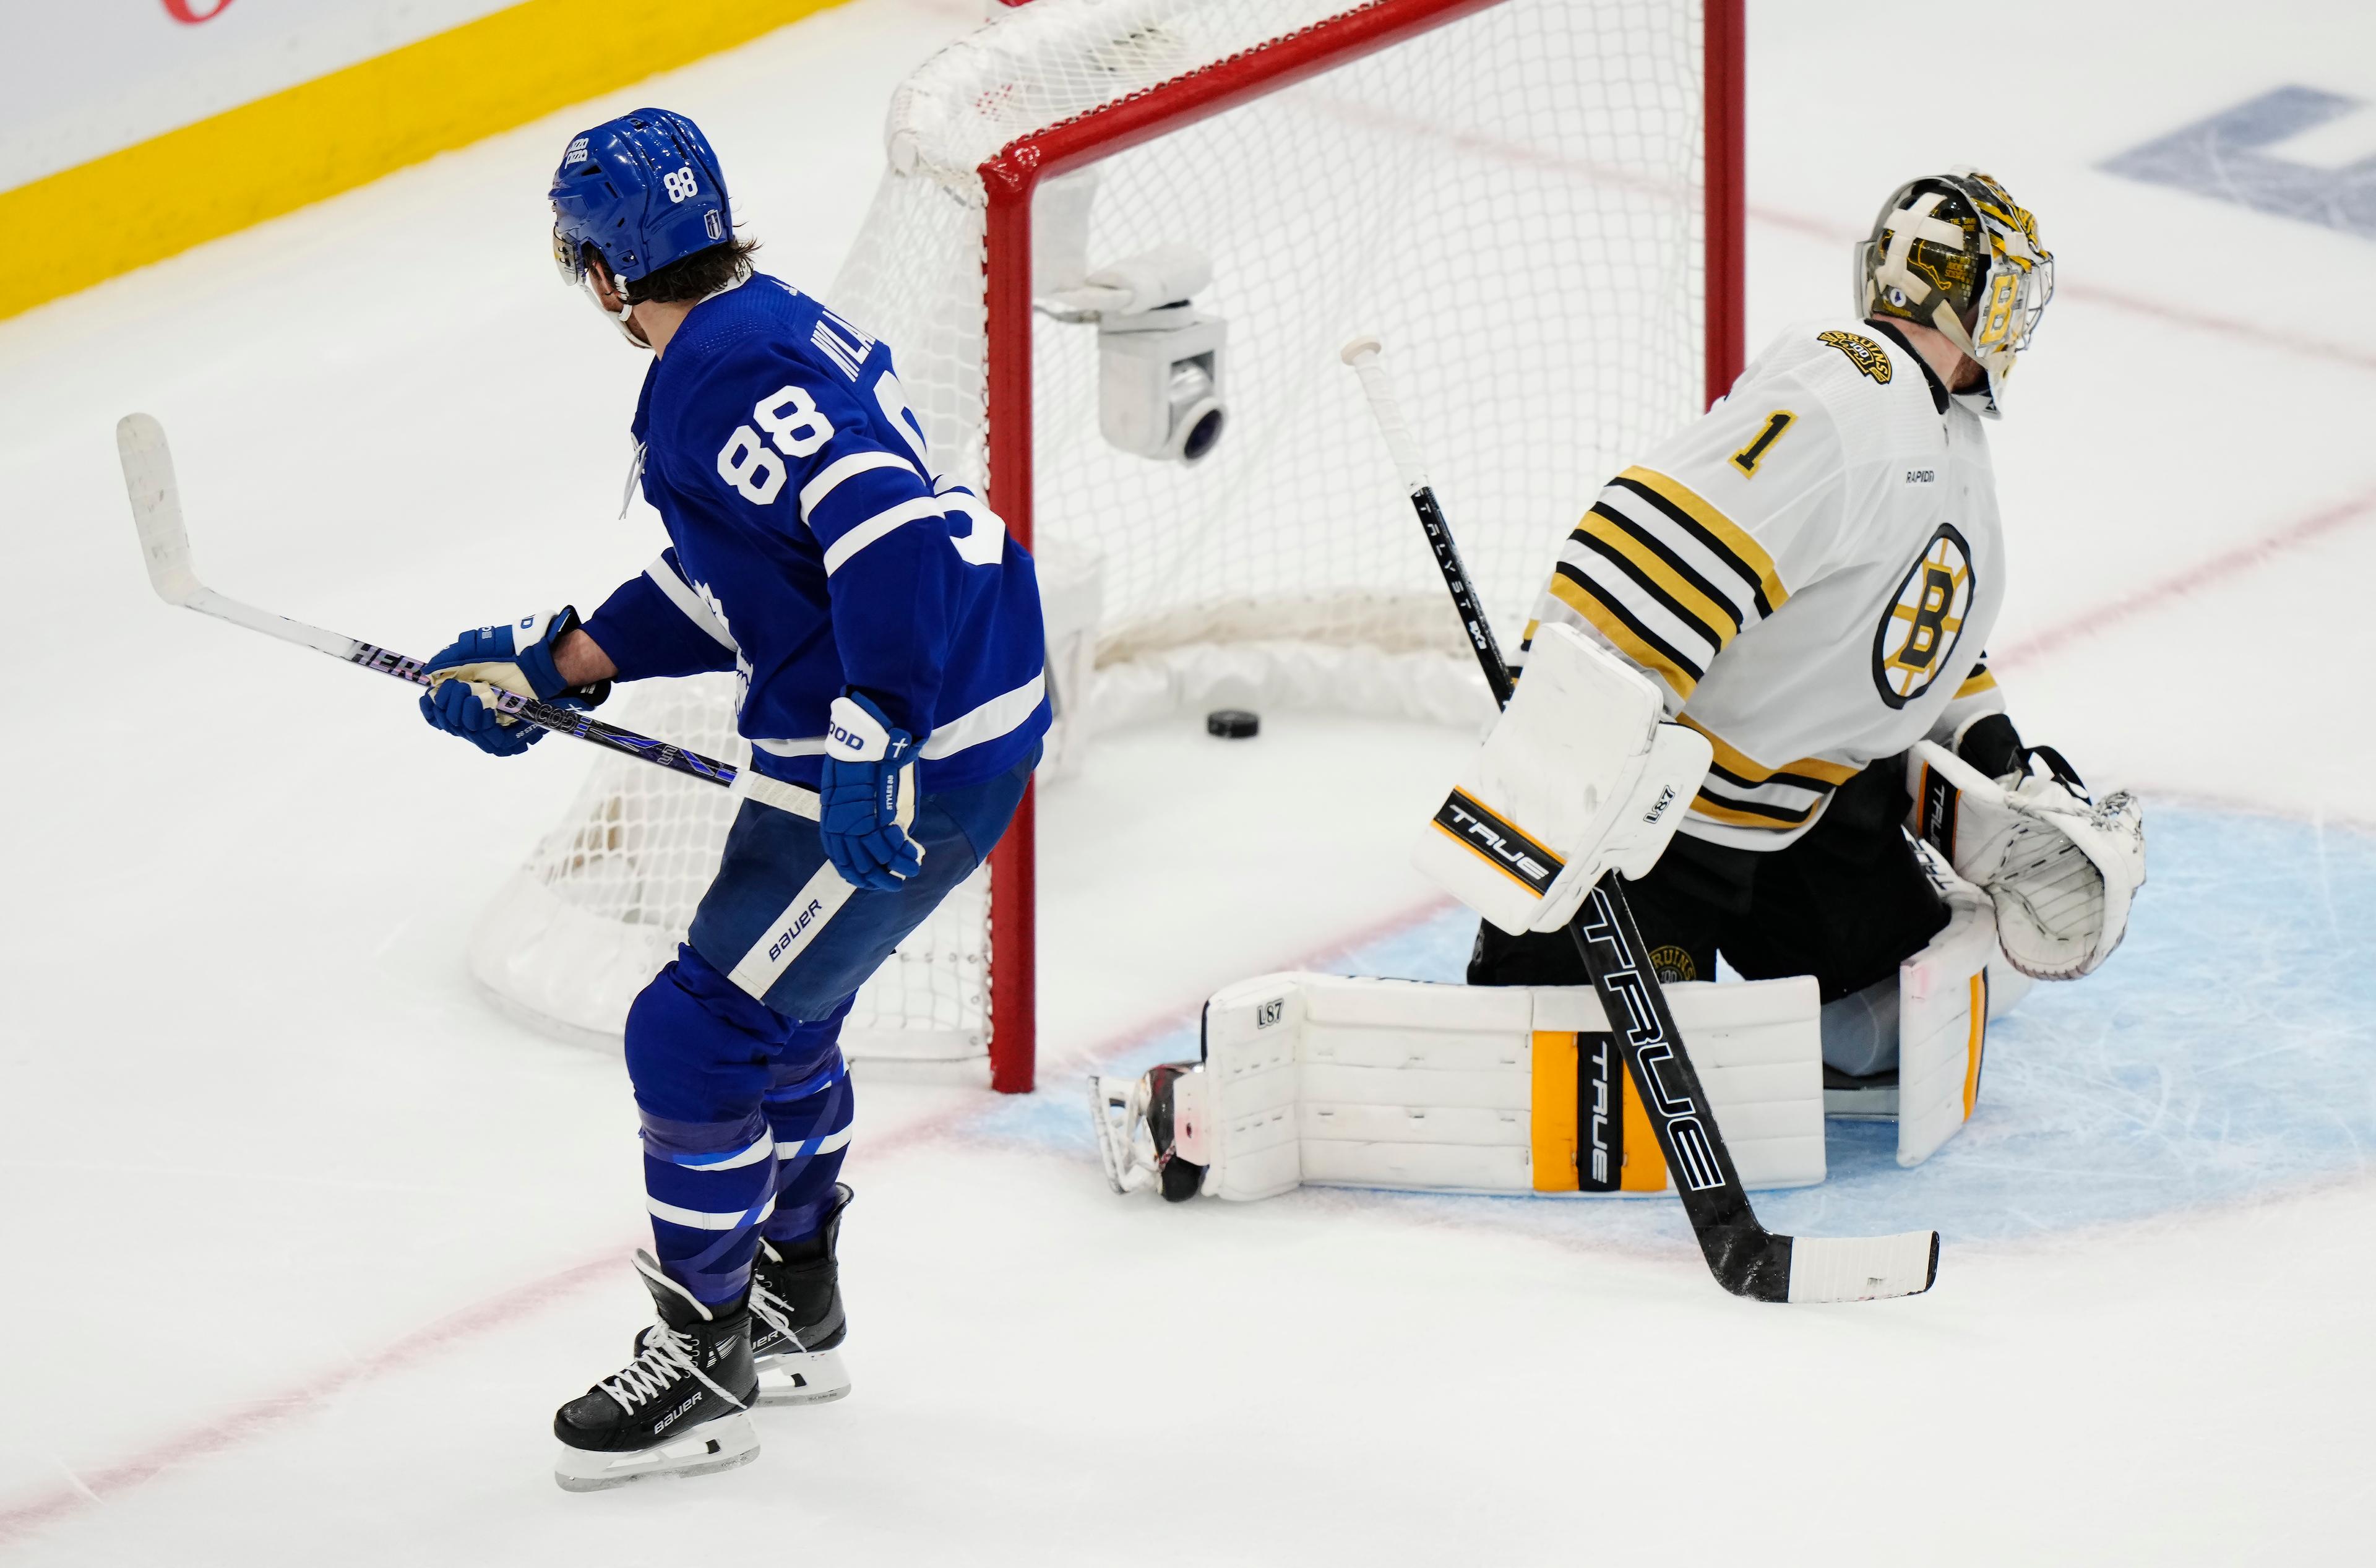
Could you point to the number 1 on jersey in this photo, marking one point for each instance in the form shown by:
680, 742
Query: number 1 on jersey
1749, 457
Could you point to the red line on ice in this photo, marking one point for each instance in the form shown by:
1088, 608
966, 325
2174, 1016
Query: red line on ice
2212, 572
259, 1416
1501, 150
2135, 305
251, 1420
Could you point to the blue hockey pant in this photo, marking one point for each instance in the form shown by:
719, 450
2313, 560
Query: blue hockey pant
734, 1047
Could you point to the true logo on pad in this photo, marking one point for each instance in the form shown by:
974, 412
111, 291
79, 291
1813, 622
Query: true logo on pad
1509, 850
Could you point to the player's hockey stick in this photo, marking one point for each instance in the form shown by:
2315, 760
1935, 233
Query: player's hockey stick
165, 545
1746, 1258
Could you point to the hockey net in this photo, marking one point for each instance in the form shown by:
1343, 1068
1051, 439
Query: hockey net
1514, 194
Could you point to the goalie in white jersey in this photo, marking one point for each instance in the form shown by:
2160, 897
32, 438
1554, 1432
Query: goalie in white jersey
1775, 623
1810, 571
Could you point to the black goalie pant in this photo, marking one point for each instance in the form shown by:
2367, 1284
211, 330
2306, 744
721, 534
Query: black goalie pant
1848, 903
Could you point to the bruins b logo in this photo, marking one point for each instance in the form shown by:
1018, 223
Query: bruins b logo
1920, 630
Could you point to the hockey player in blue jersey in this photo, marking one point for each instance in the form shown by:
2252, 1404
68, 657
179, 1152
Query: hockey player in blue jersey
887, 634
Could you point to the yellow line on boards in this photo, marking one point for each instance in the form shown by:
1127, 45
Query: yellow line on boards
127, 208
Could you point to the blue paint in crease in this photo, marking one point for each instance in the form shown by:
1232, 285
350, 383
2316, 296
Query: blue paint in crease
2227, 1051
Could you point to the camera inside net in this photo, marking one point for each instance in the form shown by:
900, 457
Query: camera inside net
1160, 381
1160, 359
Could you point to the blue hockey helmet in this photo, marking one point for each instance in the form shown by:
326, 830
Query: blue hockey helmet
644, 189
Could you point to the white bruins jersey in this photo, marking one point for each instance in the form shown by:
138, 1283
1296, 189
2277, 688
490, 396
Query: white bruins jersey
1810, 571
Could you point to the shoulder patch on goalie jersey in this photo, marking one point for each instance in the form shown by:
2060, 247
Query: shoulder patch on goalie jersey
1862, 352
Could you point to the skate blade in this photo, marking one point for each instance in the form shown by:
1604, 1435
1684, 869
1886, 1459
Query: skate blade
720, 1444
811, 1378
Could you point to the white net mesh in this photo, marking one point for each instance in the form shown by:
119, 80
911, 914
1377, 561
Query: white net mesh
1511, 201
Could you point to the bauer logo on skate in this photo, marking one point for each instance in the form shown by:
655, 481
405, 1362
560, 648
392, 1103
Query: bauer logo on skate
1507, 849
1917, 634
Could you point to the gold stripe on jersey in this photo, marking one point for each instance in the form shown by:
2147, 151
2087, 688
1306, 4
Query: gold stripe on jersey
1669, 593
1742, 792
1976, 683
1667, 576
1713, 529
1625, 628
1812, 773
1749, 815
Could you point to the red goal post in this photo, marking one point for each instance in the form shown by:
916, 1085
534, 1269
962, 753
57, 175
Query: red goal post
1014, 175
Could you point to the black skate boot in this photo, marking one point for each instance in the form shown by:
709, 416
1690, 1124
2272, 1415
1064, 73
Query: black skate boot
679, 1408
797, 1324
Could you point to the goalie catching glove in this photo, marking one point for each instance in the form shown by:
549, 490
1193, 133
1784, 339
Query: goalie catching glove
1578, 778
515, 658
2060, 867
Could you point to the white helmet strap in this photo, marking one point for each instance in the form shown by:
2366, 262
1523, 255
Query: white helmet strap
1910, 223
621, 317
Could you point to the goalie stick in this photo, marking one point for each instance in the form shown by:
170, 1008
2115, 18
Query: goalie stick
165, 545
1746, 1258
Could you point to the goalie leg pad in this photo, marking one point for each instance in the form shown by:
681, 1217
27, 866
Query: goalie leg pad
1324, 1080
1946, 995
1578, 778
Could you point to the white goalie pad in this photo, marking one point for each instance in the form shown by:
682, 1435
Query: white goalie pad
1579, 777
1328, 1081
1946, 993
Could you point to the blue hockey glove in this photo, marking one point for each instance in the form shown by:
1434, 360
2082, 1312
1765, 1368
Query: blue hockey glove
516, 658
867, 796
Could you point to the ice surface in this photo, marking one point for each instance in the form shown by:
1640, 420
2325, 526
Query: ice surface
305, 1242
2223, 1056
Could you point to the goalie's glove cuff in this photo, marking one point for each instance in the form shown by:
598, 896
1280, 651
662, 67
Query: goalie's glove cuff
866, 795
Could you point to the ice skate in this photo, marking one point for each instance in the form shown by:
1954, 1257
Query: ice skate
797, 1324
680, 1407
1139, 1127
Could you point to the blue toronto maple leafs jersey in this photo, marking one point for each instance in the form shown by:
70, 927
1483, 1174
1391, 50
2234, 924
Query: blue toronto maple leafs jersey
812, 548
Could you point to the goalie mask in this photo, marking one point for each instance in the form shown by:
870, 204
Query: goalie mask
1952, 252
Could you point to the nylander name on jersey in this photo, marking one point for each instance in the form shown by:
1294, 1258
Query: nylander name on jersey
811, 547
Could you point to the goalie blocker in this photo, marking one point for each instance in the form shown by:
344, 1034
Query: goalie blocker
1578, 778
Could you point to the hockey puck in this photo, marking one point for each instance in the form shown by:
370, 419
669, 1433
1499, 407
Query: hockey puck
1233, 724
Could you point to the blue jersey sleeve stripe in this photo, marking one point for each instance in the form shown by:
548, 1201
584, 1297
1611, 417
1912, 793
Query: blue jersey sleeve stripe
858, 498
1001, 715
666, 577
813, 492
838, 553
